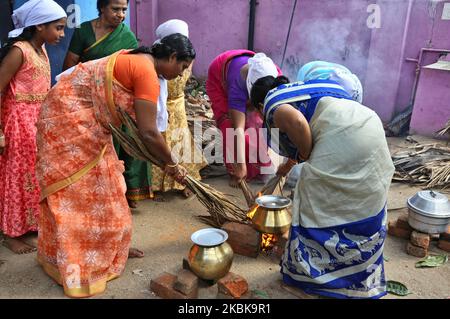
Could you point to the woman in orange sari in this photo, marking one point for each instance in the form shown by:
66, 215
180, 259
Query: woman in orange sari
85, 224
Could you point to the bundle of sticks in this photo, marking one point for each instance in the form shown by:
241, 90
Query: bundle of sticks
219, 205
444, 130
273, 186
427, 165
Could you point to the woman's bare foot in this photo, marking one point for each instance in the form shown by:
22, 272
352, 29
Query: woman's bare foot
17, 246
158, 197
135, 253
234, 183
187, 193
31, 239
132, 203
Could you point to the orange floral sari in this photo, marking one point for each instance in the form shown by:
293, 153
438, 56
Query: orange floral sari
85, 221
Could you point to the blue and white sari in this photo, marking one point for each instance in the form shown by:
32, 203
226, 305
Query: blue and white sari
336, 240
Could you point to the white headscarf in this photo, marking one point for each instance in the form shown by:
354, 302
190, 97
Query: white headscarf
35, 12
167, 28
171, 27
260, 66
322, 70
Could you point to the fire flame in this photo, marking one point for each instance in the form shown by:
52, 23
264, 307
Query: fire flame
252, 210
268, 241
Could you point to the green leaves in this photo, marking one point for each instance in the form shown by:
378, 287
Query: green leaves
260, 294
397, 288
432, 261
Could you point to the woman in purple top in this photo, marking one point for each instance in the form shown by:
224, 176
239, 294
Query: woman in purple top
230, 78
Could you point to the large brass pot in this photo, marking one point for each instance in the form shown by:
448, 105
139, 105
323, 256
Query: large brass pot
211, 256
272, 215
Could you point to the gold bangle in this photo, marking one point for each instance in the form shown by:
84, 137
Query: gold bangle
172, 166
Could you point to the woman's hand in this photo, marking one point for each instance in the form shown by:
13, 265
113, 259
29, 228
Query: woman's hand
240, 171
285, 168
2, 141
178, 172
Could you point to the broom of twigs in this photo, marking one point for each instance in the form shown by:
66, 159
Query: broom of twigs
427, 165
219, 206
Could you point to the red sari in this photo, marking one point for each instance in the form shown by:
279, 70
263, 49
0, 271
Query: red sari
21, 104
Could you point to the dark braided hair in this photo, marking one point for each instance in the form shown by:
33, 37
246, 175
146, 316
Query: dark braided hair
27, 34
263, 85
174, 43
103, 3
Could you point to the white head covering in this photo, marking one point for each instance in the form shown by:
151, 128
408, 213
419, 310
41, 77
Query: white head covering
167, 28
321, 70
35, 12
171, 27
260, 66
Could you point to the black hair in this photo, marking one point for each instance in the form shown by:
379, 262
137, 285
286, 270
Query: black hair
174, 43
263, 85
103, 3
27, 34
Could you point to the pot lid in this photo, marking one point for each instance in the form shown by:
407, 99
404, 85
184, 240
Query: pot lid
209, 237
430, 203
273, 201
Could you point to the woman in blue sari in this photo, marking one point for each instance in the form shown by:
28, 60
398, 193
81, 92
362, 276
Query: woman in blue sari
336, 240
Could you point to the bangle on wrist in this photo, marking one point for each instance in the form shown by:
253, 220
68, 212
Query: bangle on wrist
172, 165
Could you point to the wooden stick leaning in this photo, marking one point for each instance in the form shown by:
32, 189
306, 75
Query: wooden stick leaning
219, 206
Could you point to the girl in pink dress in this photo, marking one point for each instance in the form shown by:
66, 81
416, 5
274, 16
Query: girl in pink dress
24, 83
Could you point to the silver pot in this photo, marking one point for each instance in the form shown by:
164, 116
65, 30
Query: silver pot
429, 212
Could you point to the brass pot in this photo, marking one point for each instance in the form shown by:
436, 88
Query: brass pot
211, 256
272, 215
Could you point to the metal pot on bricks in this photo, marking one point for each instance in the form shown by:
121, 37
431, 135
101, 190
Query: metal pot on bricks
429, 212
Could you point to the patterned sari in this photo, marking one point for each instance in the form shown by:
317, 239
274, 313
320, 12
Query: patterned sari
138, 174
178, 135
85, 222
336, 240
21, 103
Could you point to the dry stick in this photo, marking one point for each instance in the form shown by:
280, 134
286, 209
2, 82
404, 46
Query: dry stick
218, 205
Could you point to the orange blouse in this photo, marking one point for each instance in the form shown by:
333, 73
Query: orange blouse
137, 73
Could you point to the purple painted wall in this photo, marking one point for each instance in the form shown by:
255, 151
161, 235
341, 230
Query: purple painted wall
431, 111
332, 30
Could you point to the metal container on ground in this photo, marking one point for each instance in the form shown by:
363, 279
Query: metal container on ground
429, 212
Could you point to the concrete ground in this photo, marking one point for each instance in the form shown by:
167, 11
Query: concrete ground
163, 230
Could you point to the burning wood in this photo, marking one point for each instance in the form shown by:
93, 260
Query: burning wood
424, 164
268, 241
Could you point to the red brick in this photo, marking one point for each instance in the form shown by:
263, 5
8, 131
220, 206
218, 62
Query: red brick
162, 286
420, 239
233, 285
402, 222
395, 231
244, 239
445, 236
416, 251
278, 249
186, 283
444, 245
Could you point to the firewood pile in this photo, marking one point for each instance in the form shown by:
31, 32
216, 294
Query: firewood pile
427, 165
445, 130
198, 110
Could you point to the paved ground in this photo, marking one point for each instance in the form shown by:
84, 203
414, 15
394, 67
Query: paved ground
162, 231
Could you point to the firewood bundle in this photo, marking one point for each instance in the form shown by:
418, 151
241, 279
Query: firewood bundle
427, 165
219, 205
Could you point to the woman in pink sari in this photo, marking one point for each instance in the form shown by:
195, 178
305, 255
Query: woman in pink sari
230, 78
24, 83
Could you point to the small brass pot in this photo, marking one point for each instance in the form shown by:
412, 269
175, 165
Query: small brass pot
211, 256
272, 215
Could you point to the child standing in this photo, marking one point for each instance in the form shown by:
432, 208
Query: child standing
24, 83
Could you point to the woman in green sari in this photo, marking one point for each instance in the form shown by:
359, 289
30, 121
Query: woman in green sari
94, 40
